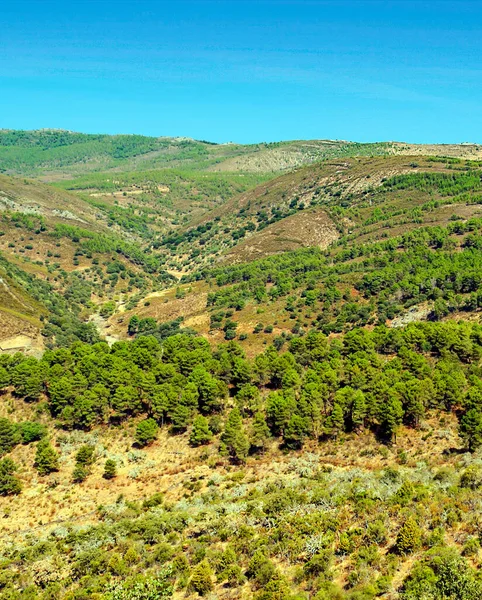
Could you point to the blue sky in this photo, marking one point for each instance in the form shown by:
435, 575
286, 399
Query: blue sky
245, 71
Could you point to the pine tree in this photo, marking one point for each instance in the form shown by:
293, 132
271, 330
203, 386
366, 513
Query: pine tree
202, 579
358, 410
46, 458
8, 436
391, 414
9, 484
260, 432
234, 440
180, 417
294, 432
200, 434
110, 469
85, 455
470, 428
336, 420
146, 432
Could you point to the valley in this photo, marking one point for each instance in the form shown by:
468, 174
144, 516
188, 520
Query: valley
238, 372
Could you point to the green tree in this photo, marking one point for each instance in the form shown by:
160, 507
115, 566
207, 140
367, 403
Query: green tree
9, 437
146, 432
200, 434
260, 432
470, 428
46, 458
294, 432
85, 455
133, 326
9, 484
390, 415
110, 469
336, 421
234, 441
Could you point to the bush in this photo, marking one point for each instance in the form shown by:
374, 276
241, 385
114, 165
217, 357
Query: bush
471, 478
202, 579
32, 432
409, 537
80, 473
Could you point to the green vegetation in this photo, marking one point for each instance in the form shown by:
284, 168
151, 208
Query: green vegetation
29, 152
321, 438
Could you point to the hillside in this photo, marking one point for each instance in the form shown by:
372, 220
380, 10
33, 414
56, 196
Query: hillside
56, 154
237, 384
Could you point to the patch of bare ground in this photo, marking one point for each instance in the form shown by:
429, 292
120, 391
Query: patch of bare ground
467, 151
306, 228
164, 306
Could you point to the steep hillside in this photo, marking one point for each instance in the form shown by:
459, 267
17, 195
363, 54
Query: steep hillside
329, 198
61, 259
366, 212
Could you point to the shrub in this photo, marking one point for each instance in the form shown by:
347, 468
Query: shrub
202, 579
409, 537
471, 478
80, 473
32, 432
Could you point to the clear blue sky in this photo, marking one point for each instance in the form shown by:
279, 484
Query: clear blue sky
245, 71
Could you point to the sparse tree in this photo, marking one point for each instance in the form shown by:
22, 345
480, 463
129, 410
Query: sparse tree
146, 432
200, 434
46, 458
110, 469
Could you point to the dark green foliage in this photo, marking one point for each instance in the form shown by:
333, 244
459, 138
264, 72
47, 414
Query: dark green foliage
46, 458
442, 575
260, 432
471, 428
110, 469
85, 455
9, 484
32, 432
146, 432
234, 440
200, 434
8, 436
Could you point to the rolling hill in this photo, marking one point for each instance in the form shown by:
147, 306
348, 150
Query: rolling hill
243, 372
